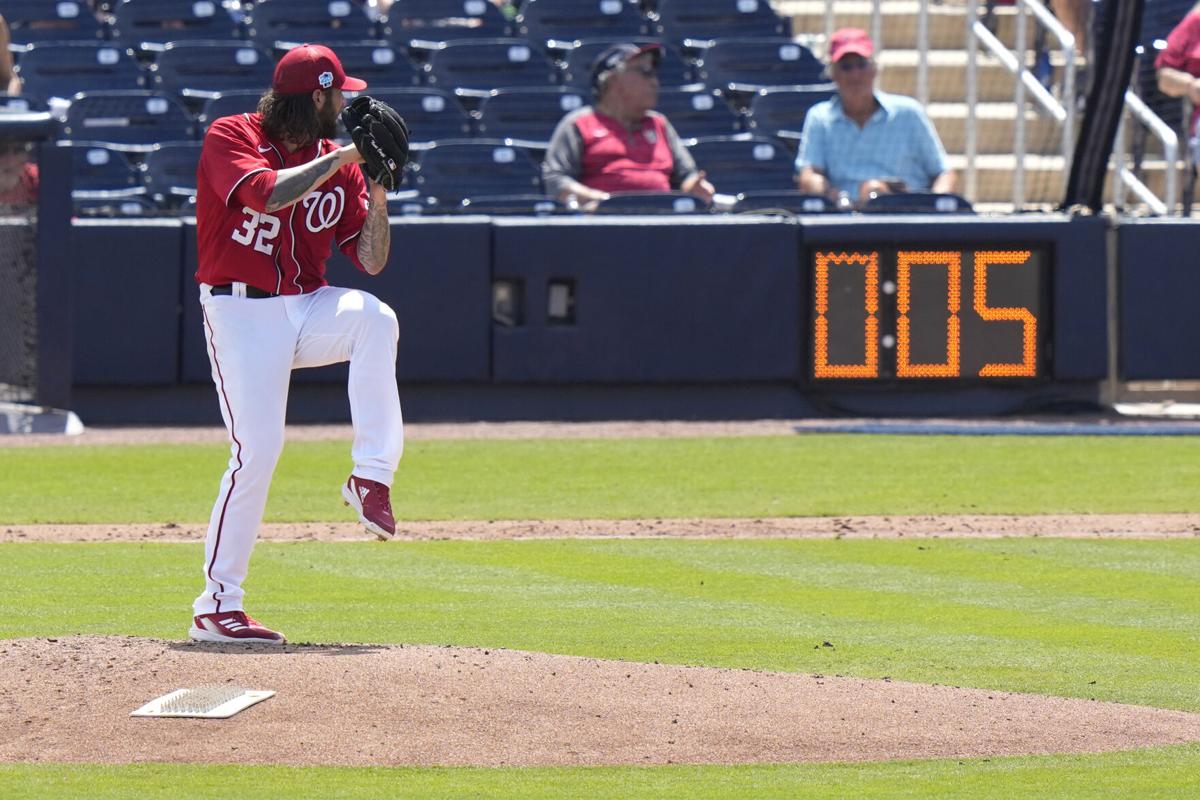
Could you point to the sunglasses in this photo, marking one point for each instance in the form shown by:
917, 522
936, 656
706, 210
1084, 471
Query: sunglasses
852, 64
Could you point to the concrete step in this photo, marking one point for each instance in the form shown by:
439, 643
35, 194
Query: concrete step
947, 76
995, 124
1045, 178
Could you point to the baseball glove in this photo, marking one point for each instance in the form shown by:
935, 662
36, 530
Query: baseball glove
381, 137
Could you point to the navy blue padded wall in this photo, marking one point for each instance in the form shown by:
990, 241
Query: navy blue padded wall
438, 283
654, 301
126, 324
1158, 286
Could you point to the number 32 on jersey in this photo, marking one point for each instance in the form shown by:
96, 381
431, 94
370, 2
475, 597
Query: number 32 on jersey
257, 229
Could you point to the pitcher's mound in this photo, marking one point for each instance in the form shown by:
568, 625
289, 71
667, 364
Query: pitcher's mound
69, 699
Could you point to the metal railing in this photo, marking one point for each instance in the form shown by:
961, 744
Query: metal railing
1124, 178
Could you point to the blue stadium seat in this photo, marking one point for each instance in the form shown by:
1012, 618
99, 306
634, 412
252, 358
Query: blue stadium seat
791, 201
45, 21
709, 19
698, 112
485, 64
651, 203
781, 112
566, 20
529, 114
441, 20
226, 104
170, 172
61, 69
405, 204
745, 163
526, 205
137, 206
378, 63
672, 70
153, 23
758, 63
101, 172
136, 119
918, 203
284, 23
203, 69
20, 104
430, 113
452, 170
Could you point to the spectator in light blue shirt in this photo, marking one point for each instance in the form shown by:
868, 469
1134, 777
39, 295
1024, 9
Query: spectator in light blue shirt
865, 142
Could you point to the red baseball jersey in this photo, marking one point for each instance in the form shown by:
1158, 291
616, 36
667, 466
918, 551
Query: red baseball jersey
616, 159
284, 252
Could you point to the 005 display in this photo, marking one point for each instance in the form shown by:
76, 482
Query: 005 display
928, 313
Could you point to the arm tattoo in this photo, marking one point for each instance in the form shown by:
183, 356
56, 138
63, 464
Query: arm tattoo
375, 240
293, 183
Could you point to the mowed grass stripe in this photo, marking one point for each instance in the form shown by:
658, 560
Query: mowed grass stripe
1152, 774
940, 617
628, 478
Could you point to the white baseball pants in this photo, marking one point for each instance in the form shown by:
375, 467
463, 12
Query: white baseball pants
253, 346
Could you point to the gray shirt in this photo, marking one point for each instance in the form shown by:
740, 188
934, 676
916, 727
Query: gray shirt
564, 158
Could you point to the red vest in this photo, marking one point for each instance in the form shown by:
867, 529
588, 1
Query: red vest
616, 159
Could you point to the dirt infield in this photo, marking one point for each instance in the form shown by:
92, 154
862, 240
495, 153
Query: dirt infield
69, 699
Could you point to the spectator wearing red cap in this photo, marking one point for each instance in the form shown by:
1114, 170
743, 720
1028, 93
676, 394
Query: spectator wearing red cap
863, 141
620, 144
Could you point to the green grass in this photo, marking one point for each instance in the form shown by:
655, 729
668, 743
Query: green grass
626, 478
1163, 773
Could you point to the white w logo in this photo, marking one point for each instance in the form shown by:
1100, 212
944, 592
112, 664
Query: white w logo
324, 209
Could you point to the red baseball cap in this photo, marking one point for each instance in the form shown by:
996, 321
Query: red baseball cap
850, 40
310, 67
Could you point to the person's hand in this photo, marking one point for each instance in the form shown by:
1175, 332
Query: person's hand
589, 205
874, 186
1194, 91
698, 186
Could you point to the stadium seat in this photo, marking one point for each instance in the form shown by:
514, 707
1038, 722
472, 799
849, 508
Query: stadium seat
406, 204
529, 114
781, 112
527, 205
101, 172
794, 202
203, 69
136, 206
44, 21
701, 20
225, 104
138, 120
485, 64
170, 172
430, 113
566, 20
442, 20
698, 112
744, 164
917, 203
61, 69
20, 104
651, 203
378, 63
153, 23
284, 23
672, 70
452, 170
757, 63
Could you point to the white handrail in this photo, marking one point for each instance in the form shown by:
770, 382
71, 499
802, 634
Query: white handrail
970, 134
923, 53
1170, 141
1066, 41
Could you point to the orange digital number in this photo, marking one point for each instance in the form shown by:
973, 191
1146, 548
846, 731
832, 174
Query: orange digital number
1028, 366
905, 260
869, 368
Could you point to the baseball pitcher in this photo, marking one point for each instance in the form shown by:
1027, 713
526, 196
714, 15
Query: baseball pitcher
274, 194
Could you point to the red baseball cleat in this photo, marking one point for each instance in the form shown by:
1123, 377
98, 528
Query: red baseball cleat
373, 503
233, 627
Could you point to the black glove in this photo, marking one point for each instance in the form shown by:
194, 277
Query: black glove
381, 137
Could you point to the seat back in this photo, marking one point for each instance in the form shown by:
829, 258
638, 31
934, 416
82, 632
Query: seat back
745, 164
225, 104
794, 202
672, 69
528, 205
20, 103
379, 64
566, 20
430, 113
60, 69
291, 22
202, 69
530, 114
43, 21
138, 118
441, 20
782, 112
651, 203
698, 112
710, 19
137, 22
918, 203
452, 170
122, 206
170, 172
487, 64
760, 62
101, 171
